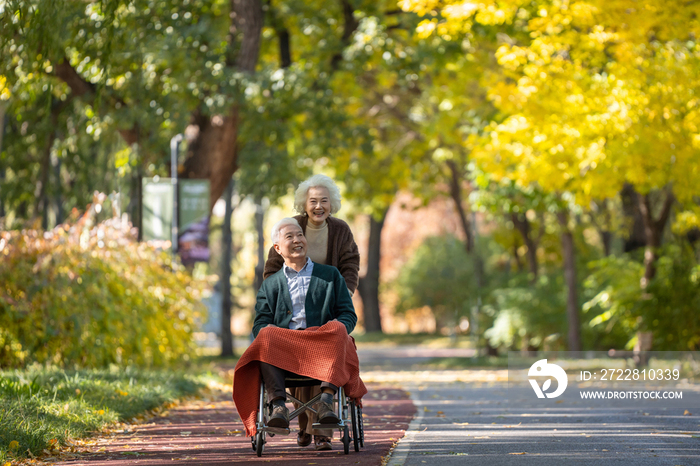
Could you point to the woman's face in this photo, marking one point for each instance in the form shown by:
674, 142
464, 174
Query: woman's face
318, 205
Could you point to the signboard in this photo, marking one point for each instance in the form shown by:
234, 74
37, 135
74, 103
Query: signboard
193, 217
157, 209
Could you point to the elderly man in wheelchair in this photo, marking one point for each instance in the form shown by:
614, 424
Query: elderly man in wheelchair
303, 319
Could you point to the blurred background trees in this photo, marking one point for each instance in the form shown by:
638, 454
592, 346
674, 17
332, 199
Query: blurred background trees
548, 149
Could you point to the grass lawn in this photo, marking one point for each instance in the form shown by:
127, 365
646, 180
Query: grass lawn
42, 408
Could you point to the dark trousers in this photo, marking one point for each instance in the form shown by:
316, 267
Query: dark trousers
273, 377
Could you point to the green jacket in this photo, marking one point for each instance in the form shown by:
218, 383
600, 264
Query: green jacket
327, 299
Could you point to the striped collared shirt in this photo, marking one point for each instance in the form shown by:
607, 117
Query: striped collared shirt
298, 284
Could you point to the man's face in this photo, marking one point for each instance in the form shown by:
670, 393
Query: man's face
291, 243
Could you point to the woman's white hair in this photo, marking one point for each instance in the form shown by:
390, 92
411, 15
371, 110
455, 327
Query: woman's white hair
279, 225
316, 181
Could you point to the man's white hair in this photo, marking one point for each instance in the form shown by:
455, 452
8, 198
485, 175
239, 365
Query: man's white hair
317, 181
279, 225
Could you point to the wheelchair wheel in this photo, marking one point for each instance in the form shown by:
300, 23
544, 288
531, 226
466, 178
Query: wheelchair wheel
355, 427
259, 443
360, 427
346, 440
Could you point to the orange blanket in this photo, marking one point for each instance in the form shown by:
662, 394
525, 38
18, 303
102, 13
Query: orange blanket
325, 353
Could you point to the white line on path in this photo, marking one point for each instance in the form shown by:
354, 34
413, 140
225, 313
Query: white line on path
400, 452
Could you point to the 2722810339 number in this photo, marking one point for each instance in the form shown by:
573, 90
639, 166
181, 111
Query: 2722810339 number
636, 374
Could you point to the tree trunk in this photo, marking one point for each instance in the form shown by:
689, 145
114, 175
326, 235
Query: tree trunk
604, 226
572, 311
226, 302
138, 192
2, 203
285, 48
522, 224
369, 284
653, 230
260, 267
41, 204
212, 151
516, 256
456, 194
350, 25
2, 168
2, 123
636, 237
58, 199
606, 238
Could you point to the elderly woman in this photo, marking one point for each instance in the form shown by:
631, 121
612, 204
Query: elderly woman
330, 239
330, 242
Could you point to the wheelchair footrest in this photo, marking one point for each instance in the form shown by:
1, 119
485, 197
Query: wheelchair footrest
316, 425
277, 430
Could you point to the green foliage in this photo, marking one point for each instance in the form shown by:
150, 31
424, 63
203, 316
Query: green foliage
528, 315
667, 307
42, 408
614, 286
671, 310
440, 275
91, 296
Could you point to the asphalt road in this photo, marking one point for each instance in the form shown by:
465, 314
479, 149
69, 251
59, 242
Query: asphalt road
463, 418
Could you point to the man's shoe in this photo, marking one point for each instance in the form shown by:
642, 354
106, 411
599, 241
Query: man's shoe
279, 417
303, 439
325, 414
322, 443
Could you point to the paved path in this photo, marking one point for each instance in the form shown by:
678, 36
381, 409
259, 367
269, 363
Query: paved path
209, 432
404, 357
463, 420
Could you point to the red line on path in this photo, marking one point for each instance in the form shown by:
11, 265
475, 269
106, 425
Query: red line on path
210, 433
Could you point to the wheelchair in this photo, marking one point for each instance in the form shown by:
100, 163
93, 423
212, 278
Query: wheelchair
350, 415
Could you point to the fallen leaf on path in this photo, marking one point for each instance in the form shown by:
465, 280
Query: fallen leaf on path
521, 453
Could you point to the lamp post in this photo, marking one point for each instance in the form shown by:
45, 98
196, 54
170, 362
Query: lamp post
174, 146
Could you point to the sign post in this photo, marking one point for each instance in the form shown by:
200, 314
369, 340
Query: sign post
174, 146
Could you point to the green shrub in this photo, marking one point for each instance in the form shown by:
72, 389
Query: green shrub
440, 275
528, 315
668, 307
91, 296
